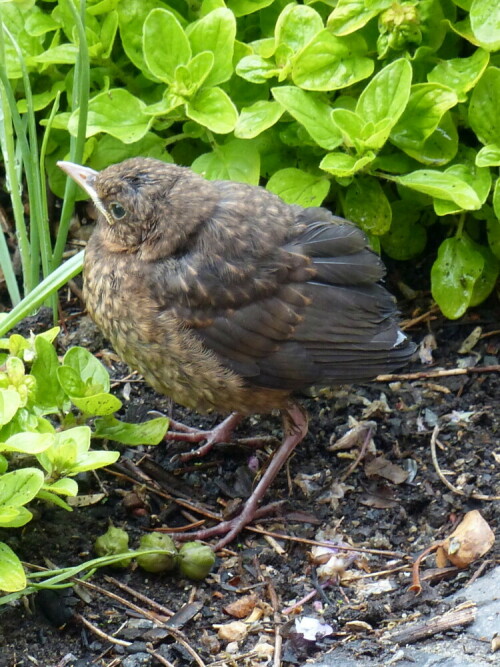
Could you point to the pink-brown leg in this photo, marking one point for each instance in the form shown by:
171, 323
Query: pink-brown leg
295, 429
221, 433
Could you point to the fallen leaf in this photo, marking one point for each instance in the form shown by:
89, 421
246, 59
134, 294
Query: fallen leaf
378, 407
379, 496
381, 467
242, 607
232, 632
85, 501
354, 437
426, 348
470, 540
471, 341
358, 626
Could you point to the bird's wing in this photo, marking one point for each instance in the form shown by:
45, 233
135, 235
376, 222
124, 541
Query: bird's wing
338, 327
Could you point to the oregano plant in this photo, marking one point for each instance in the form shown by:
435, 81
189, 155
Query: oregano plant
49, 412
386, 112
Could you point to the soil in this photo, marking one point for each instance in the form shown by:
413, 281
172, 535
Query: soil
391, 500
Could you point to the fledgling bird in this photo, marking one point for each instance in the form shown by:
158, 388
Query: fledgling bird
227, 299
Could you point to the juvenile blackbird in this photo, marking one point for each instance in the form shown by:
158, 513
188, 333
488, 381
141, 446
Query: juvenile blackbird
227, 299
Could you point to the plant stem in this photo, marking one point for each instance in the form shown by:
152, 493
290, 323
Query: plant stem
460, 227
80, 100
41, 292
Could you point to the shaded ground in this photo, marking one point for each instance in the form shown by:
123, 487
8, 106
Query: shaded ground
401, 509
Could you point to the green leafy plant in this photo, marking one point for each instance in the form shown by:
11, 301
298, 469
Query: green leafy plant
384, 111
24, 153
71, 393
56, 578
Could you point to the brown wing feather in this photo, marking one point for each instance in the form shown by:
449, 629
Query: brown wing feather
339, 327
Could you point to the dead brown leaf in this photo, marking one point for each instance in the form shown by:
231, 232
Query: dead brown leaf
242, 607
469, 541
381, 467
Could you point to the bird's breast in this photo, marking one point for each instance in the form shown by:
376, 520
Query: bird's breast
153, 341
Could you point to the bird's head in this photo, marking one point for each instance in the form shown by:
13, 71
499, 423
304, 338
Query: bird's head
142, 203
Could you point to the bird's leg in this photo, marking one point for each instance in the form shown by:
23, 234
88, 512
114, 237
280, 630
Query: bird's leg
221, 433
295, 429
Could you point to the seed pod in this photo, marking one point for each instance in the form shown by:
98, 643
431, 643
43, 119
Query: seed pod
158, 562
114, 541
196, 560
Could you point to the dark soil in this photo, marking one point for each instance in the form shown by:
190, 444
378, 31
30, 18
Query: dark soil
383, 512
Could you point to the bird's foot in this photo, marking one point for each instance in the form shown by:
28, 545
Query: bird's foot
295, 427
230, 528
221, 433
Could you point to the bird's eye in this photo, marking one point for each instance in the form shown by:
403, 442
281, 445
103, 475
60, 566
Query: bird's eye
117, 210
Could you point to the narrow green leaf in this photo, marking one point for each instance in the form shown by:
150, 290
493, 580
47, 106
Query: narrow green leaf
296, 186
28, 443
387, 94
10, 402
116, 112
212, 108
297, 25
460, 74
485, 22
427, 104
406, 238
341, 164
20, 486
89, 369
238, 160
216, 33
366, 204
479, 178
53, 499
257, 118
349, 16
484, 107
97, 404
165, 44
330, 63
256, 69
486, 282
441, 186
12, 575
151, 432
489, 156
454, 274
312, 113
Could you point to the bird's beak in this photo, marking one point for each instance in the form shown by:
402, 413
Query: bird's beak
84, 177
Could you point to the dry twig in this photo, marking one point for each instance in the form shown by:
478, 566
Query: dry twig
139, 596
176, 634
462, 615
102, 635
442, 373
447, 483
